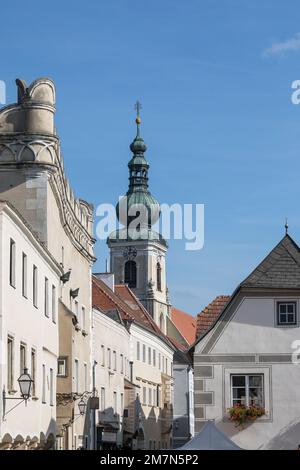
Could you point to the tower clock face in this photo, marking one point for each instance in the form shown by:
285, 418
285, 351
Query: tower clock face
130, 252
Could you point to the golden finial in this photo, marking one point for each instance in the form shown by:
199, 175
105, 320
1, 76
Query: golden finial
138, 107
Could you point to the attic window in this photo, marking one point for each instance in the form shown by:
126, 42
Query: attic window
286, 313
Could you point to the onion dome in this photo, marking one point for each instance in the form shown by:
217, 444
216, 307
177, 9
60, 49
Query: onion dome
138, 203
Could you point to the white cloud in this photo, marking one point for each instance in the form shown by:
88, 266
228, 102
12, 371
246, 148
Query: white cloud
292, 44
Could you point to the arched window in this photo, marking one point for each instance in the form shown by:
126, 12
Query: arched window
158, 276
161, 322
130, 273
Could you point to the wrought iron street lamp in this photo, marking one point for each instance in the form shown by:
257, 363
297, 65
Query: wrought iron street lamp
82, 407
25, 383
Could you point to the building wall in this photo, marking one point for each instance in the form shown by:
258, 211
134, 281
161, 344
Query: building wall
29, 325
33, 179
155, 421
108, 334
183, 427
251, 343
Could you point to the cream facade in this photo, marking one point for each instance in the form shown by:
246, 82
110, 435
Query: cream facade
32, 178
250, 356
29, 290
152, 360
111, 353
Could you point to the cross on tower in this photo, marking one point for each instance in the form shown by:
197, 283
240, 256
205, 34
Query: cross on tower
138, 107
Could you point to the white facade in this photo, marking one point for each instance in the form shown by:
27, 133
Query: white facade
28, 331
153, 374
249, 342
111, 353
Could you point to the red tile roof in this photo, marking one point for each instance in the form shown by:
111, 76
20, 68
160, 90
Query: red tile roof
210, 314
128, 305
185, 324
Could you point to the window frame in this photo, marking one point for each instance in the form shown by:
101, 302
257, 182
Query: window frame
277, 313
12, 263
247, 388
65, 360
24, 275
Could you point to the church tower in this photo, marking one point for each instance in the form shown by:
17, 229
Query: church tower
137, 252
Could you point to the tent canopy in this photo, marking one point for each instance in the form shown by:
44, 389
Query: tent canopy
210, 438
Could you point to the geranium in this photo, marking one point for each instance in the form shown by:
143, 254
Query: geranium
241, 414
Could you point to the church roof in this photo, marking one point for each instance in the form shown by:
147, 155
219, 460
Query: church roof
209, 315
280, 269
185, 324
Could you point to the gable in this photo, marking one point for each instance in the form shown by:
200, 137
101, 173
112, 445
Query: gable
280, 269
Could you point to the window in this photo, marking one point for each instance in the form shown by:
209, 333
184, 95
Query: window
122, 364
130, 273
34, 285
247, 390
76, 375
62, 367
24, 275
33, 370
83, 318
102, 355
138, 350
85, 377
144, 395
167, 365
22, 358
12, 263
150, 397
115, 360
10, 359
122, 403
154, 358
161, 322
158, 276
53, 304
51, 388
159, 361
109, 358
115, 403
286, 313
102, 399
46, 305
77, 313
149, 356
44, 384
144, 353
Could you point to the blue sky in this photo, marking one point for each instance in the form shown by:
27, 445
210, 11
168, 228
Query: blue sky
214, 78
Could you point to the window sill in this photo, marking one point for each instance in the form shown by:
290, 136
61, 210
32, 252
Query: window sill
12, 392
34, 398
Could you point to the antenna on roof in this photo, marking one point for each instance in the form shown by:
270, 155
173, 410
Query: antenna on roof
106, 265
286, 226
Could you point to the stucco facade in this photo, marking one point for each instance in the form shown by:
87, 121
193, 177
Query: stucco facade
32, 178
29, 333
247, 356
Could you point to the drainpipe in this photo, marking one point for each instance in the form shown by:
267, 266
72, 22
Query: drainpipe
131, 371
94, 411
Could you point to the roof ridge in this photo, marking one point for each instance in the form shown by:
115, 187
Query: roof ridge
261, 269
118, 302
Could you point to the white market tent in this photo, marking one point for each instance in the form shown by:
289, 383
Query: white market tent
210, 438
